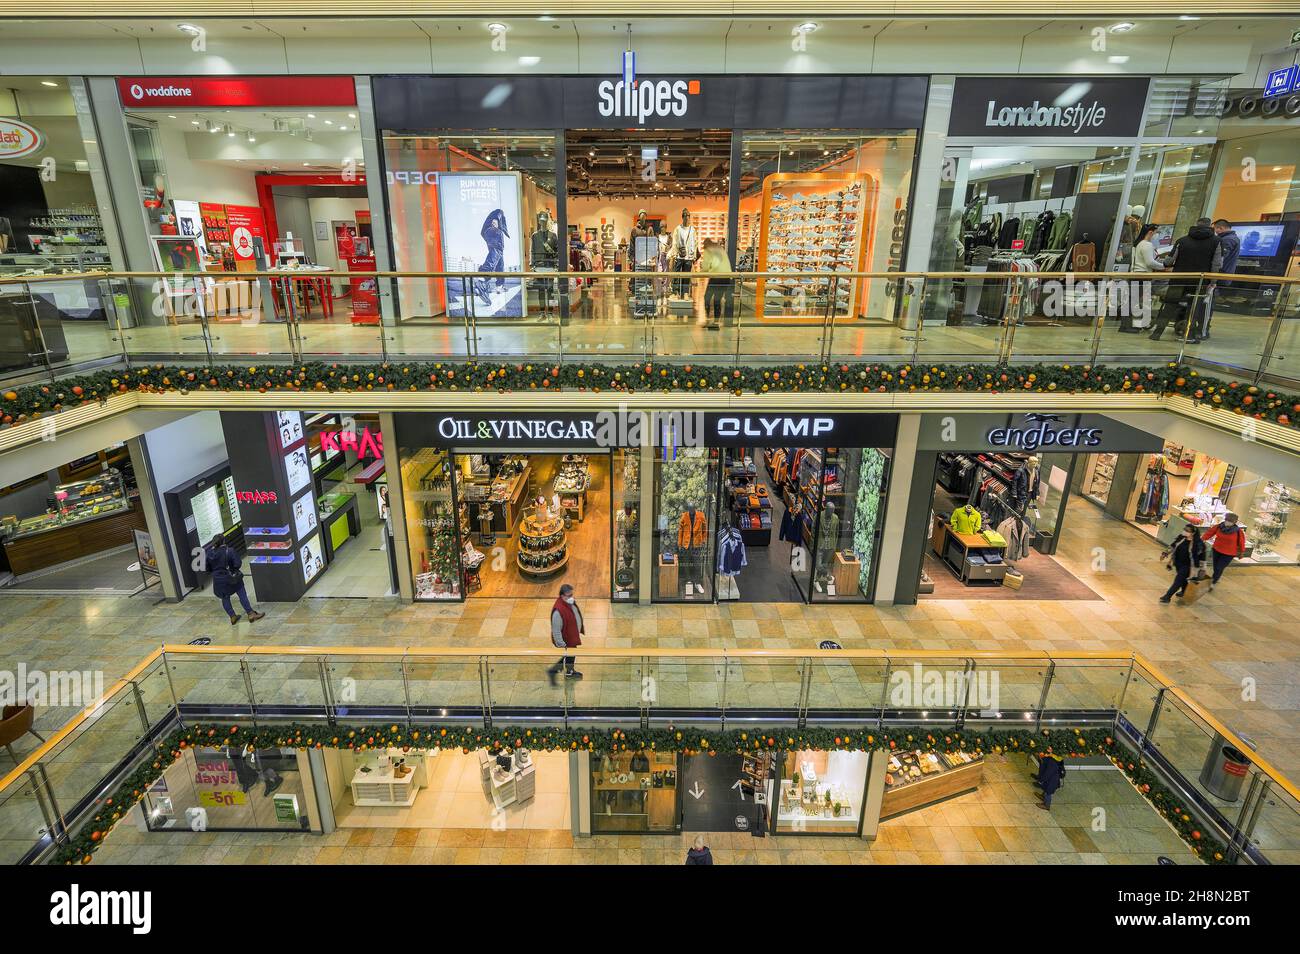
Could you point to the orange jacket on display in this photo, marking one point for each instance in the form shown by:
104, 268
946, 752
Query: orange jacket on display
688, 536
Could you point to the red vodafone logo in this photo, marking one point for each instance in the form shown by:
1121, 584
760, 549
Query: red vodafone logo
234, 91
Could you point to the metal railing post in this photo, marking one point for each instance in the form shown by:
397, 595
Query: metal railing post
805, 690
1238, 830
1151, 723
171, 686
406, 693
53, 824
967, 683
1182, 334
485, 688
248, 687
1274, 330
920, 319
644, 707
1103, 306
1042, 696
884, 694
331, 713
722, 707
60, 821
139, 706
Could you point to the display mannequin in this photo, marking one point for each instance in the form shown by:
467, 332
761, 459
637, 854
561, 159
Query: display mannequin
967, 520
731, 560
683, 252
828, 540
692, 540
544, 247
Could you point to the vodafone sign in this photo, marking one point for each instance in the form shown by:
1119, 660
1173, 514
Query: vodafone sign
170, 92
19, 139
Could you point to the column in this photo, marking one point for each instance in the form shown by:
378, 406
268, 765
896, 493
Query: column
397, 506
923, 208
896, 545
154, 519
371, 149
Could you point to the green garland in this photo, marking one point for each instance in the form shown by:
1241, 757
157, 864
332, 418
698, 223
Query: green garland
35, 401
1069, 743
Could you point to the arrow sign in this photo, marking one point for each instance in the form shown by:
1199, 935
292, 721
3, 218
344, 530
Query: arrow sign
697, 791
742, 790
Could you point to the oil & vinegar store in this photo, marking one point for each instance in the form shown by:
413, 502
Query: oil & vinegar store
716, 507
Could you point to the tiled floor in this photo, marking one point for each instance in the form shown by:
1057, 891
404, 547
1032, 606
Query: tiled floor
1234, 651
1097, 818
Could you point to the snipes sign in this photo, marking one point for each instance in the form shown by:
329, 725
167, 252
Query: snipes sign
17, 139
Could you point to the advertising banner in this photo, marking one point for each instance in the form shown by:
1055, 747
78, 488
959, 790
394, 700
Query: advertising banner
245, 223
171, 92
482, 231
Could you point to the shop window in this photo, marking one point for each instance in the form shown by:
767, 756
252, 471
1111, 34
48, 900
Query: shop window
433, 527
686, 491
444, 188
626, 476
634, 792
822, 792
214, 789
823, 200
1180, 107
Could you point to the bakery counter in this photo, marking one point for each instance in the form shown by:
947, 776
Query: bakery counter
42, 548
916, 779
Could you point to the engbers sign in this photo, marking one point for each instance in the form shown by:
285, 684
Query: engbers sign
1080, 108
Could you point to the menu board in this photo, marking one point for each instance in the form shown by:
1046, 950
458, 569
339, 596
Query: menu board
290, 426
304, 515
232, 502
313, 561
298, 469
207, 514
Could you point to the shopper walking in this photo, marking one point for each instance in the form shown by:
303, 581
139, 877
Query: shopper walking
228, 579
1185, 557
1051, 773
698, 853
1197, 251
567, 631
1229, 542
716, 290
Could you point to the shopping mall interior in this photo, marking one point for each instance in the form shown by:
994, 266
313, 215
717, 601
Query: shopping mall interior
577, 440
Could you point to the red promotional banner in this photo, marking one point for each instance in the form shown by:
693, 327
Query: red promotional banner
234, 91
246, 224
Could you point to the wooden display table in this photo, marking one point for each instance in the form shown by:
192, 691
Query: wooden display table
952, 548
931, 788
846, 574
668, 577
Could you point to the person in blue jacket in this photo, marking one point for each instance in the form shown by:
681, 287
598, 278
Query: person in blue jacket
1051, 773
228, 579
698, 853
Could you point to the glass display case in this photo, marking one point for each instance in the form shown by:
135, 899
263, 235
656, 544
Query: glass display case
73, 503
916, 779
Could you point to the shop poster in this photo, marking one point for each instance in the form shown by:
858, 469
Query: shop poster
245, 223
482, 231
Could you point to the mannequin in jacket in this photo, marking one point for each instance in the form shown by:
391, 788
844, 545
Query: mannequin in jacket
544, 250
966, 520
830, 538
692, 540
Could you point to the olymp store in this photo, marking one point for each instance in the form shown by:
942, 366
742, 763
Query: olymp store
712, 507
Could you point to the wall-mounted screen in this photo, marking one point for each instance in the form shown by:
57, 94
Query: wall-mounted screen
304, 515
298, 470
313, 560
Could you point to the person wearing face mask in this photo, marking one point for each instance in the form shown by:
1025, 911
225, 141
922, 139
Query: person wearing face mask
567, 631
1228, 541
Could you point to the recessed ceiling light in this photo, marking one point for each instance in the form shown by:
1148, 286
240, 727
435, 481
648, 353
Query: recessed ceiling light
213, 127
1200, 132
49, 83
230, 130
189, 28
1122, 27
497, 27
1186, 17
250, 137
343, 129
195, 122
329, 122
306, 163
170, 116
352, 115
311, 115
808, 26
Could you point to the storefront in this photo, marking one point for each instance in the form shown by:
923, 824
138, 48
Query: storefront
693, 507
988, 503
256, 173
78, 527
1049, 175
1175, 487
50, 224
582, 174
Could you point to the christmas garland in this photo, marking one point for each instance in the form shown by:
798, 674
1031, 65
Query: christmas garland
1067, 743
32, 402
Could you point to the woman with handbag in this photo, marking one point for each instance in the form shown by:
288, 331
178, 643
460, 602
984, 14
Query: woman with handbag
228, 579
1185, 557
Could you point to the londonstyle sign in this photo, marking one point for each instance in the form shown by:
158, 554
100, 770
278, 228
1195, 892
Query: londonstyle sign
1075, 119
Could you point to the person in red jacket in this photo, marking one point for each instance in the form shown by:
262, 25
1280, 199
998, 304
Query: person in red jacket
1228, 541
567, 631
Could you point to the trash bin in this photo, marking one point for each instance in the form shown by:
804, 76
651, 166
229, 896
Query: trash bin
1225, 769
